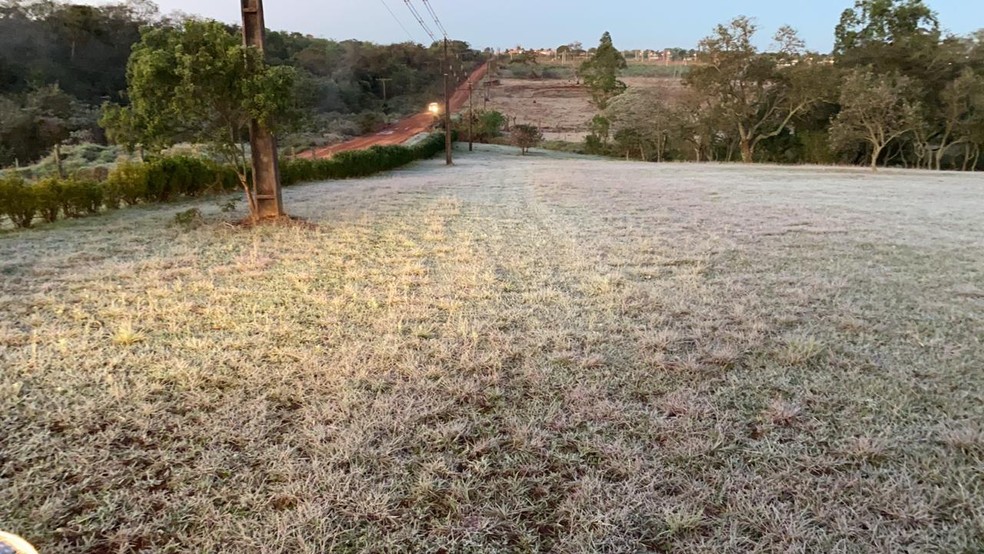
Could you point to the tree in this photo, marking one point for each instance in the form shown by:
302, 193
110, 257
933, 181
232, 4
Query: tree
526, 137
900, 36
642, 122
563, 51
485, 125
600, 72
757, 94
196, 82
962, 111
875, 111
880, 22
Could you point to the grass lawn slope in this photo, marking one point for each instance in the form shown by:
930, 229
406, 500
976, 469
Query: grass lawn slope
511, 355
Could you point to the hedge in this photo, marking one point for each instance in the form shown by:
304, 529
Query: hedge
358, 163
170, 178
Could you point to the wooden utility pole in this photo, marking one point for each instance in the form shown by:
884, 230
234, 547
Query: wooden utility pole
384, 81
471, 117
447, 105
263, 143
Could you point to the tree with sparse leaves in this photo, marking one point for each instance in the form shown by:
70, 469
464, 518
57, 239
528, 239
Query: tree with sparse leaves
757, 95
526, 137
875, 110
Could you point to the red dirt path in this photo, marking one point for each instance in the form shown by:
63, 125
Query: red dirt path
405, 129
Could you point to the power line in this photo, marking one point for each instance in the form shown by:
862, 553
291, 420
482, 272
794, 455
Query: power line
434, 16
420, 20
400, 23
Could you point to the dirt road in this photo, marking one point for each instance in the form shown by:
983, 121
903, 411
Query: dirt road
405, 129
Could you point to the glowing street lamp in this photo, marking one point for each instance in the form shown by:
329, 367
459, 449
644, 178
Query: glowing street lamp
434, 108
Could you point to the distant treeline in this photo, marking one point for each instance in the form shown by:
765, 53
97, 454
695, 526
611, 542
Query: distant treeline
896, 91
59, 62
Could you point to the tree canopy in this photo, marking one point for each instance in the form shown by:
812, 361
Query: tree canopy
600, 72
196, 82
84, 49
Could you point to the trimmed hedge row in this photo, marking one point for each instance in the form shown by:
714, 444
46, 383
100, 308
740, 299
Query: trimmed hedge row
358, 163
176, 177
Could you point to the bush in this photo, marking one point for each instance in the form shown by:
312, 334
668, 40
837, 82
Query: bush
167, 178
48, 195
177, 176
127, 184
526, 137
18, 200
71, 197
358, 163
370, 122
81, 197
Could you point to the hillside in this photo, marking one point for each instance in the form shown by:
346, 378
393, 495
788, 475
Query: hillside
513, 354
61, 61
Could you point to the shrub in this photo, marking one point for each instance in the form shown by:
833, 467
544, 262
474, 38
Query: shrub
81, 197
370, 122
127, 184
18, 200
166, 178
189, 219
526, 137
174, 176
358, 163
48, 196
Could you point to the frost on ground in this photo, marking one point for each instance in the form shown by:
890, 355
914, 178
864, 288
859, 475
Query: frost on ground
514, 354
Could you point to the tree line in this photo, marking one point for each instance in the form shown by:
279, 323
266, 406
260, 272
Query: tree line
895, 91
61, 62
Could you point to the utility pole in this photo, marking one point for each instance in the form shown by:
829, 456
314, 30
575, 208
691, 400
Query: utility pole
384, 81
471, 117
263, 143
447, 105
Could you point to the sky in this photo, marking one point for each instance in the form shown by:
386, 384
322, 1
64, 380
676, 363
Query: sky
634, 24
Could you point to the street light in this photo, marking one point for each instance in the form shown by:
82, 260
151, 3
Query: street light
434, 108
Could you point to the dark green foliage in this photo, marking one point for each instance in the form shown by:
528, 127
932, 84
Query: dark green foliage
72, 197
485, 126
358, 163
126, 185
600, 72
526, 137
84, 50
189, 219
48, 195
593, 145
81, 197
18, 201
171, 178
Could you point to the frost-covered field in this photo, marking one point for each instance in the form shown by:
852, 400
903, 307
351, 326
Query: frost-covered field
516, 354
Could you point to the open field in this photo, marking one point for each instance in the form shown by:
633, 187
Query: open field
510, 355
559, 107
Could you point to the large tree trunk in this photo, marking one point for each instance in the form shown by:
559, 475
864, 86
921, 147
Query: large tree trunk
746, 150
875, 154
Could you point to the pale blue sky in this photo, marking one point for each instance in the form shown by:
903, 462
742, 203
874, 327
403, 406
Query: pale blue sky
547, 23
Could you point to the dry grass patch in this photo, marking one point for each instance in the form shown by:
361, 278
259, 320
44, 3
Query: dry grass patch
512, 355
